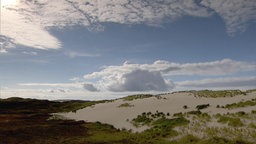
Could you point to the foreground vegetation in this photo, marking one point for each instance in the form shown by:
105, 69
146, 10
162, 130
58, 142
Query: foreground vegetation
30, 121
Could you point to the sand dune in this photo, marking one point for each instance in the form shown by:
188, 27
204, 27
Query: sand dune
120, 117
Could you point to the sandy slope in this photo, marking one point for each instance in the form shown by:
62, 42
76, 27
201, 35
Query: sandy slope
172, 103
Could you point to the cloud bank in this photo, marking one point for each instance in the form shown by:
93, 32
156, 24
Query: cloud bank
29, 23
157, 76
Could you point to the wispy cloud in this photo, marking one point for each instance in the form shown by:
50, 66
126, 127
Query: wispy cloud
235, 13
30, 53
29, 22
67, 85
74, 54
59, 87
219, 83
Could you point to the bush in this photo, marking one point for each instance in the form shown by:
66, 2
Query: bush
195, 112
178, 114
203, 106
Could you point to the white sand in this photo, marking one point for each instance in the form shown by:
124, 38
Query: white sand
110, 113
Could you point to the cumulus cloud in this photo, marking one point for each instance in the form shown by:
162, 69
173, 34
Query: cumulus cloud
146, 77
29, 23
235, 13
220, 83
138, 80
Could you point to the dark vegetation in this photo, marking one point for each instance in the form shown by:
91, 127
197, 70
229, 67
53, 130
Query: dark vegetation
31, 106
203, 106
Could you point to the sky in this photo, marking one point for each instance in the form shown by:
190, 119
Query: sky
105, 49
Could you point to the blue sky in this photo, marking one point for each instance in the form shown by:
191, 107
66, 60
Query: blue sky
105, 49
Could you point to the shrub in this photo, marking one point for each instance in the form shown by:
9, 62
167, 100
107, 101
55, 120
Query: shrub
178, 114
141, 120
195, 112
203, 106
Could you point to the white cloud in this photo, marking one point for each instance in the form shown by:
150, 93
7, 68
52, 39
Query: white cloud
219, 83
137, 80
145, 77
21, 28
156, 77
220, 67
29, 23
235, 13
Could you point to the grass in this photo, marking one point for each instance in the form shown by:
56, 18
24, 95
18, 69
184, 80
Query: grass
134, 97
125, 105
234, 122
216, 94
160, 125
241, 104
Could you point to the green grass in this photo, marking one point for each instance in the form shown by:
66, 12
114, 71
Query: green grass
159, 124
